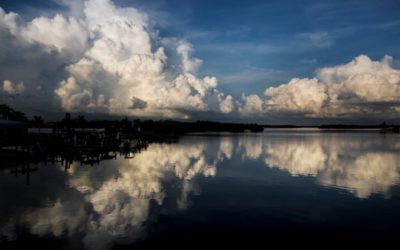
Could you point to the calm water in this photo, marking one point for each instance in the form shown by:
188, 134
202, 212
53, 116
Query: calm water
298, 186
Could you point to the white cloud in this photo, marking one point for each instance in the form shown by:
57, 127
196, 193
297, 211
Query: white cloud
63, 34
189, 65
12, 89
360, 87
107, 59
75, 97
299, 95
37, 60
253, 105
363, 79
113, 57
125, 47
226, 106
9, 21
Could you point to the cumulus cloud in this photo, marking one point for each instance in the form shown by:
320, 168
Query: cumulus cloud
26, 56
12, 89
99, 57
226, 105
298, 95
60, 33
115, 62
360, 87
128, 50
189, 64
138, 103
252, 105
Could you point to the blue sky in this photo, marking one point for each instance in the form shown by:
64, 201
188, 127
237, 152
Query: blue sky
269, 42
249, 46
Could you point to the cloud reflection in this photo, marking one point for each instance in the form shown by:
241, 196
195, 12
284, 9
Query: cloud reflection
115, 202
112, 202
357, 163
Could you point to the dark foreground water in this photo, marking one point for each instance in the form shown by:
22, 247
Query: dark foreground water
298, 187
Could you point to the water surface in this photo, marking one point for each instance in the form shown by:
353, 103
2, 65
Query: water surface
278, 186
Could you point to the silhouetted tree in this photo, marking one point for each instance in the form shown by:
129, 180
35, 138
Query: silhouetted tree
383, 125
125, 123
7, 113
38, 122
81, 121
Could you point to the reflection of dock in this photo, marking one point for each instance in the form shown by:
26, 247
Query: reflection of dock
24, 170
65, 147
390, 130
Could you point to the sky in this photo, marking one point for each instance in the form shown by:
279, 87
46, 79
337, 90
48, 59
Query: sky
298, 62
